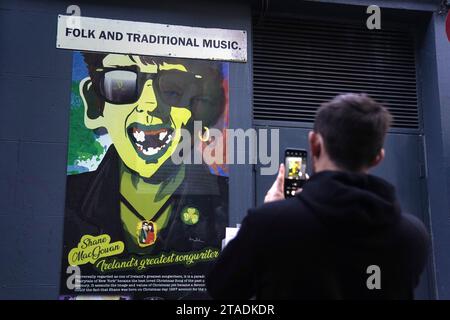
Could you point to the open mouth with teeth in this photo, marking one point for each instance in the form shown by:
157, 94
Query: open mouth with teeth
150, 142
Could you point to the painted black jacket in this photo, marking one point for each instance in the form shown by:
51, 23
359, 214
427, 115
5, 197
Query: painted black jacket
93, 207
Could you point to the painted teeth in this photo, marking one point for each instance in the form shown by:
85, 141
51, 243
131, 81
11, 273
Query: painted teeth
139, 136
162, 135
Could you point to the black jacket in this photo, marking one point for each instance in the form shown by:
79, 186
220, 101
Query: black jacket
319, 244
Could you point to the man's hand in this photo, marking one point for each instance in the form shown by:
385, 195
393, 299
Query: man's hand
276, 192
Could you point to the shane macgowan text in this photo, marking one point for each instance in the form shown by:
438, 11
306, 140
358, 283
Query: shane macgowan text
95, 250
91, 248
142, 263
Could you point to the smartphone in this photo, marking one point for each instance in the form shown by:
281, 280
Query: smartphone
295, 170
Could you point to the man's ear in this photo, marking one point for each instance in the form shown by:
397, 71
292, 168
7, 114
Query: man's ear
378, 158
92, 116
314, 144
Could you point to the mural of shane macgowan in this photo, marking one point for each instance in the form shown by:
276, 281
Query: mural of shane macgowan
143, 102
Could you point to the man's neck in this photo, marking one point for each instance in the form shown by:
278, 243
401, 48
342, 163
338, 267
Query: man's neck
326, 165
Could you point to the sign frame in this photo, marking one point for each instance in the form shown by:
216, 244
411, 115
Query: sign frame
150, 39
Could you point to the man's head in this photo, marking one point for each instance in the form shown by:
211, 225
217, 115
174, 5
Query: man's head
349, 133
143, 102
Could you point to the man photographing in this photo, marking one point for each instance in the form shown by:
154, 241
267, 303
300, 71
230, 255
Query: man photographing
321, 243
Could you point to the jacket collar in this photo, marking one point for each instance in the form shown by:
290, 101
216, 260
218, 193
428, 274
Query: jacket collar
100, 205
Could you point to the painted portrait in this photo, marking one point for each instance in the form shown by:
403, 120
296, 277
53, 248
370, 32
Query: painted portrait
126, 115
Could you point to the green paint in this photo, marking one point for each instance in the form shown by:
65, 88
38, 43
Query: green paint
190, 215
82, 143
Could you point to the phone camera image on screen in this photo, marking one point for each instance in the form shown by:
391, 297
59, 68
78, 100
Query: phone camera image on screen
295, 171
295, 168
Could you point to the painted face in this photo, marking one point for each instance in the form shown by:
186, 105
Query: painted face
145, 107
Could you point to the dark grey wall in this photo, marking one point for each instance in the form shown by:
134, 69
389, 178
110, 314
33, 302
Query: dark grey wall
35, 81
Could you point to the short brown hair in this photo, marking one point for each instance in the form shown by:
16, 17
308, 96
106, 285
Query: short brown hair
353, 127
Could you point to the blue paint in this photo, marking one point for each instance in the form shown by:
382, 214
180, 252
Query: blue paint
225, 70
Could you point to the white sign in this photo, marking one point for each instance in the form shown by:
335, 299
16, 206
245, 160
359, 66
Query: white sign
152, 39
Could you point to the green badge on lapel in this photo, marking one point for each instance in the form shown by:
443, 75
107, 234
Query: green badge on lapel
190, 215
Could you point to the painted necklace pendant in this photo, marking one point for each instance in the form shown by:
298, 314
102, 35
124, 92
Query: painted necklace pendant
146, 233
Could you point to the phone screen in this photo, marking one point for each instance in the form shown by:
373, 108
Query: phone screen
295, 170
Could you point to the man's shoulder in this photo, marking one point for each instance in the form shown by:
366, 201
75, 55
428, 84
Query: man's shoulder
411, 240
285, 205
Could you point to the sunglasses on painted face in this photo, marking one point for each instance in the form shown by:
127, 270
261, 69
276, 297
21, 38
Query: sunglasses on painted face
175, 88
